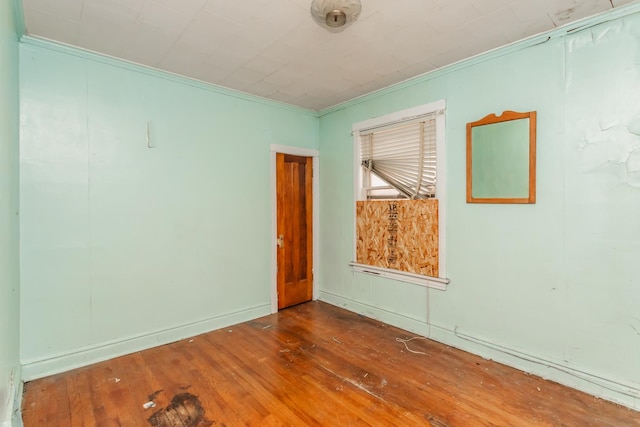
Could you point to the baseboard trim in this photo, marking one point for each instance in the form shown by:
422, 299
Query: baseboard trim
616, 391
33, 369
392, 318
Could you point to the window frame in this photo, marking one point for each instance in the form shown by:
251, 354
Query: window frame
441, 281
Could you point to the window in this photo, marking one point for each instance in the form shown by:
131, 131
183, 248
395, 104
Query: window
400, 196
399, 160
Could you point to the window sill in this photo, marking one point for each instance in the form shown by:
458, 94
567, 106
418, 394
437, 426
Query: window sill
416, 279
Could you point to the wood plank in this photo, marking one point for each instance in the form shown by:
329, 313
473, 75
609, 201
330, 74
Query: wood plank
398, 234
312, 364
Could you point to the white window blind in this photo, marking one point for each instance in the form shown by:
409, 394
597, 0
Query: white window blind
402, 156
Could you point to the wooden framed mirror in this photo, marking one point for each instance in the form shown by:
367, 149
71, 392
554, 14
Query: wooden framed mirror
501, 158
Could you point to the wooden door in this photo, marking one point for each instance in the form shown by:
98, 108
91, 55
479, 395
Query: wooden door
294, 175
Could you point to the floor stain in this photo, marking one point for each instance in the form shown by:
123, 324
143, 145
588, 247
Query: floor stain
185, 410
155, 394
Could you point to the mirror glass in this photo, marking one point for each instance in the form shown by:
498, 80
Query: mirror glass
501, 159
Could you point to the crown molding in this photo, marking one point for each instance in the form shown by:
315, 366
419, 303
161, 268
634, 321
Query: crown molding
556, 33
44, 43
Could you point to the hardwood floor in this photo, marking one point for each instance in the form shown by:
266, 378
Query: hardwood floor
313, 364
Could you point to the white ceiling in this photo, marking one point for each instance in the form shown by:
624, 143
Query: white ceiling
274, 49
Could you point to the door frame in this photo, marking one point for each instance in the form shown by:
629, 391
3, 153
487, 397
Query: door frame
315, 184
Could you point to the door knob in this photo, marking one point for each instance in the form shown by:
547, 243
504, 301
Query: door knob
281, 241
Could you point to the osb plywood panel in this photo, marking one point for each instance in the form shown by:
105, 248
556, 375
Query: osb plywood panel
398, 234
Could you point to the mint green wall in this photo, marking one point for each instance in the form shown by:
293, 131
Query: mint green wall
553, 287
9, 273
125, 246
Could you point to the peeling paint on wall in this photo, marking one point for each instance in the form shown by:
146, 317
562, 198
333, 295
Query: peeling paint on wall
634, 126
611, 143
607, 130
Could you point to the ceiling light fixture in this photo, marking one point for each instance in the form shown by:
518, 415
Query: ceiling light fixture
335, 15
